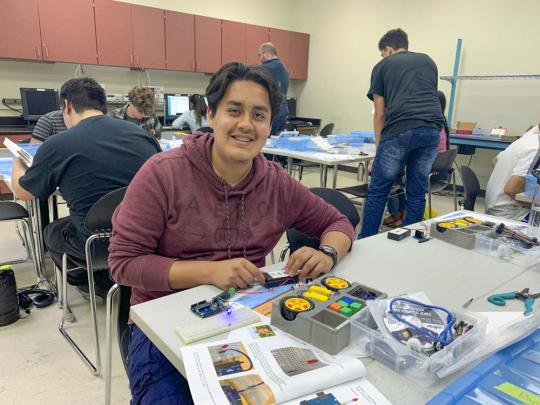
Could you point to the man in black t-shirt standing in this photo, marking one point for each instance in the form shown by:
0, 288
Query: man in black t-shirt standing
407, 123
96, 155
271, 62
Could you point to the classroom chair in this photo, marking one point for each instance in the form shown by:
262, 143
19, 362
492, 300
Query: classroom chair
327, 130
471, 187
117, 307
11, 211
441, 173
296, 240
98, 220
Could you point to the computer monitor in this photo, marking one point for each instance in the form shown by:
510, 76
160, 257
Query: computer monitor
175, 105
36, 102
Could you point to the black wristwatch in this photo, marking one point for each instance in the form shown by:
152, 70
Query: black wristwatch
330, 251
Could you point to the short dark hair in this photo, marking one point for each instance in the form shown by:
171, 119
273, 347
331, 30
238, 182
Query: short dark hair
84, 94
395, 39
231, 72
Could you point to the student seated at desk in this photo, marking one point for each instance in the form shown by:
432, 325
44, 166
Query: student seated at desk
195, 117
48, 125
140, 110
96, 155
508, 177
209, 212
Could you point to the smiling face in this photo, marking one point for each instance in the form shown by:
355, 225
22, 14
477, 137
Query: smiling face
241, 124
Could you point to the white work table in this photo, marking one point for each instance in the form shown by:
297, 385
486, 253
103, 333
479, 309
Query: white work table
324, 159
448, 274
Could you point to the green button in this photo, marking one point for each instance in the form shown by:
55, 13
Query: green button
343, 303
346, 311
357, 305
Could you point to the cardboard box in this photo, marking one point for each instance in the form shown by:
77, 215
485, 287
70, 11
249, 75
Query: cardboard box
465, 128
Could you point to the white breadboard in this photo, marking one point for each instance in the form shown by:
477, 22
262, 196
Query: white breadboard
196, 329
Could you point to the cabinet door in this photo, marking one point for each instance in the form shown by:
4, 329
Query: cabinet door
282, 40
113, 33
207, 44
180, 41
255, 36
19, 30
233, 42
148, 37
68, 31
299, 55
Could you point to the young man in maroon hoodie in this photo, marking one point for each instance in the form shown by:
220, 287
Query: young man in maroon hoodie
209, 212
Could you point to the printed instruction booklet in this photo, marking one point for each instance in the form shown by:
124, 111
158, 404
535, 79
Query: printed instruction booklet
260, 365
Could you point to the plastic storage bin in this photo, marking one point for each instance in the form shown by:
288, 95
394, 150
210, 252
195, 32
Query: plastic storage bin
487, 243
510, 376
415, 366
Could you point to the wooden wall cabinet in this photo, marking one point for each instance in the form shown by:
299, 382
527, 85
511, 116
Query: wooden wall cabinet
148, 37
68, 31
233, 42
255, 36
180, 41
113, 33
20, 37
299, 55
207, 44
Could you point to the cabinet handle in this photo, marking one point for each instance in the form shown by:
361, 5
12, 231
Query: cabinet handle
46, 51
38, 52
193, 64
137, 60
198, 65
131, 60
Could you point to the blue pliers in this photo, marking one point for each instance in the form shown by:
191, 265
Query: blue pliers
523, 295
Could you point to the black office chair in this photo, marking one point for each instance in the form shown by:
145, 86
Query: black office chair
441, 173
121, 312
296, 239
471, 187
327, 130
98, 221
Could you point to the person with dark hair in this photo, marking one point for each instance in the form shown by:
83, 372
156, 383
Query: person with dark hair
140, 110
407, 123
209, 212
269, 59
195, 117
95, 155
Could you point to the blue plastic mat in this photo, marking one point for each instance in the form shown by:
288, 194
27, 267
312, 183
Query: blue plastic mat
510, 376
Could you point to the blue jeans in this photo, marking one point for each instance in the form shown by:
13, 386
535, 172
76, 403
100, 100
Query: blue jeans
416, 149
152, 378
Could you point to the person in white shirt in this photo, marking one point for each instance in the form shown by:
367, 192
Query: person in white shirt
195, 118
508, 176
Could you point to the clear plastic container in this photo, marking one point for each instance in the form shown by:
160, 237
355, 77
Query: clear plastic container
418, 367
487, 243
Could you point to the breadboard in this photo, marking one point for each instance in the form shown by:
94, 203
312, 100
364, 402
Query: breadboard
196, 329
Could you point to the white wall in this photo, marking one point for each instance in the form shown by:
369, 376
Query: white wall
499, 37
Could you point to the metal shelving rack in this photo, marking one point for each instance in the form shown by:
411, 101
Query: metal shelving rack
455, 78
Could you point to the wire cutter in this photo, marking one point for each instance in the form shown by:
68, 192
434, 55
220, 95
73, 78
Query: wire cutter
523, 295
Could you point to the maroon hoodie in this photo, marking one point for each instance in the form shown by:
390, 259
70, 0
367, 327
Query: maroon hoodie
175, 209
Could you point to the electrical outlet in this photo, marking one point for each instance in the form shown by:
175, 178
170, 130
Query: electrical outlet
11, 101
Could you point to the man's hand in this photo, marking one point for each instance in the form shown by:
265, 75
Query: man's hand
235, 273
308, 263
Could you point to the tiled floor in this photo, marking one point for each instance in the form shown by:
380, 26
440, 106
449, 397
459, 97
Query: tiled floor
37, 366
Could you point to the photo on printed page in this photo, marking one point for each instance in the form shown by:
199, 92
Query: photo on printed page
230, 358
261, 331
247, 390
296, 360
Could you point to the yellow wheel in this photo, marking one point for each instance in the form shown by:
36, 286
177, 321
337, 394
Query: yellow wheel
443, 226
335, 283
472, 220
292, 306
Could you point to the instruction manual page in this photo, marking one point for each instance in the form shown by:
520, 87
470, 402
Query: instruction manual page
260, 365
